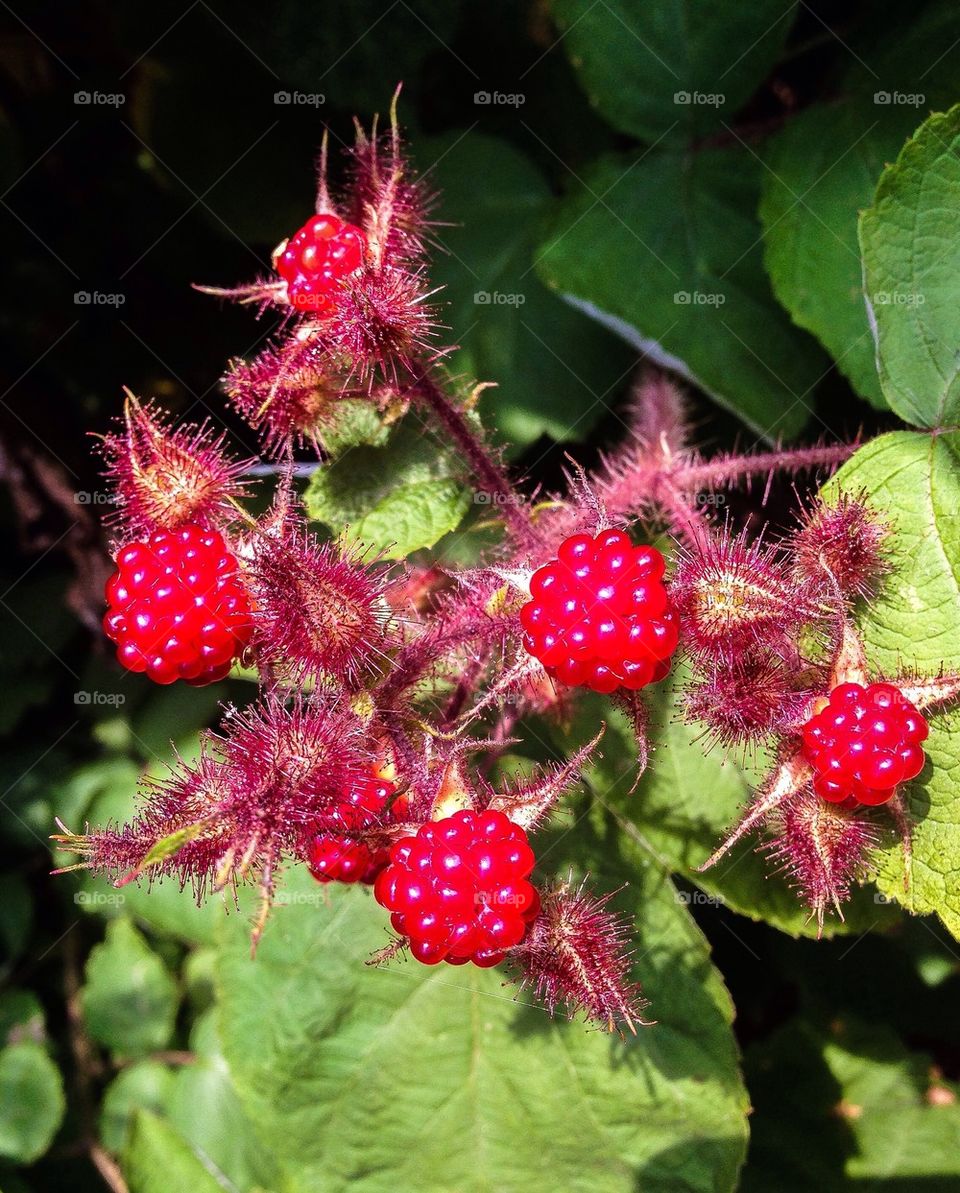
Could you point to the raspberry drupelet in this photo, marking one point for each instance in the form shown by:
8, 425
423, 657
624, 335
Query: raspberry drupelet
458, 890
863, 742
599, 615
317, 260
335, 854
177, 607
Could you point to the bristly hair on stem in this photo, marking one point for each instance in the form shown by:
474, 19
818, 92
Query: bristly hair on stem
576, 957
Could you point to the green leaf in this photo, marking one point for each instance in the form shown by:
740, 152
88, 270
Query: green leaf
666, 249
910, 239
21, 1017
913, 481
162, 905
822, 171
878, 1117
677, 68
222, 1133
556, 371
129, 1000
427, 1078
687, 801
394, 499
170, 845
31, 1092
143, 1086
353, 422
159, 1160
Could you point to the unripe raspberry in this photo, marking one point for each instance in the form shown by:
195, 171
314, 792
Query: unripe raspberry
599, 615
458, 890
336, 854
177, 608
863, 742
316, 261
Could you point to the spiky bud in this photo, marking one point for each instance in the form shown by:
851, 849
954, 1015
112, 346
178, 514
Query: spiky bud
318, 612
165, 477
731, 593
746, 697
575, 957
840, 547
249, 799
822, 847
387, 198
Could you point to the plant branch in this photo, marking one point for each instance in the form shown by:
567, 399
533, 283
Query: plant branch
488, 473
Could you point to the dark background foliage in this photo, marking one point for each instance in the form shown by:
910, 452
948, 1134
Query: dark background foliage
192, 176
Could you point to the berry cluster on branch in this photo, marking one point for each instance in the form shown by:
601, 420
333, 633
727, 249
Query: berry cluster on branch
382, 700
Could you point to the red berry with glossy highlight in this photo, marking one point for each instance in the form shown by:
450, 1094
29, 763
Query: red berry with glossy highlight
318, 259
177, 607
459, 889
599, 615
337, 854
863, 742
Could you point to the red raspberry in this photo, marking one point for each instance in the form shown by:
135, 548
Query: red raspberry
863, 742
177, 608
458, 890
599, 616
317, 259
335, 855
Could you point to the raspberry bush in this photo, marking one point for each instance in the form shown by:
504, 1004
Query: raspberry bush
523, 712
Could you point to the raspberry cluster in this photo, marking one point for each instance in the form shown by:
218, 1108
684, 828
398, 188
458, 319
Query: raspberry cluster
317, 260
599, 615
458, 890
335, 854
177, 607
863, 742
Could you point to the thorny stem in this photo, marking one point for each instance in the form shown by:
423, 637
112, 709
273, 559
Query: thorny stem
726, 469
491, 477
